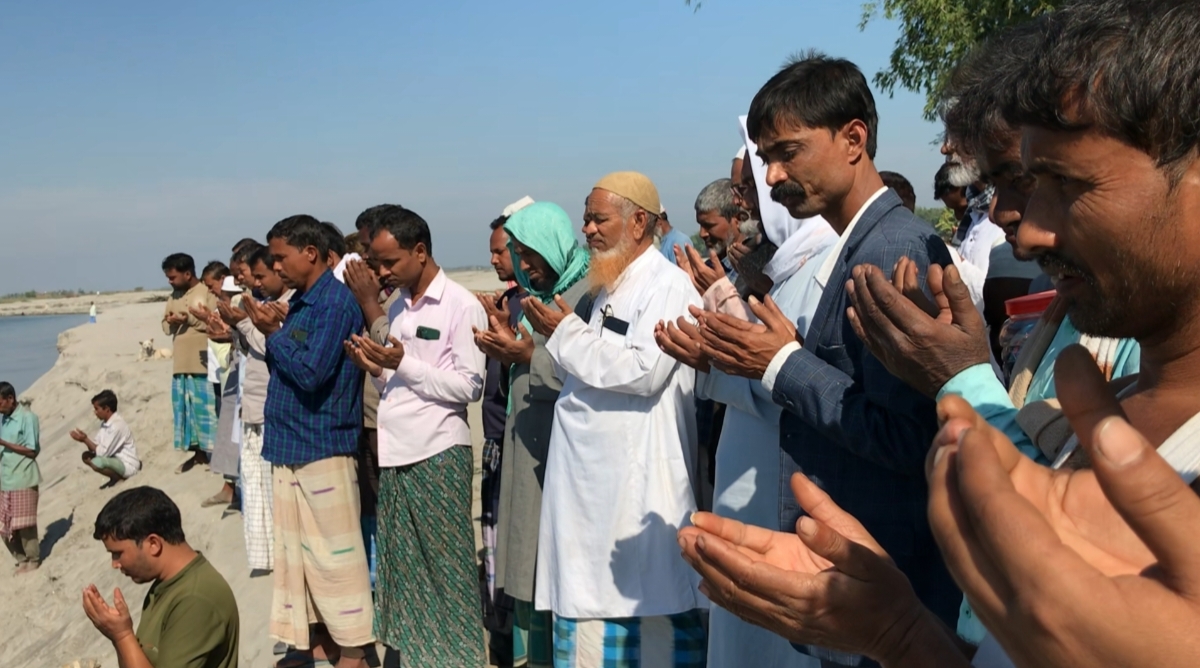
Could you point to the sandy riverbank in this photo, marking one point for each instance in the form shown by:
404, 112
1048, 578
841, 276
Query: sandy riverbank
72, 305
45, 625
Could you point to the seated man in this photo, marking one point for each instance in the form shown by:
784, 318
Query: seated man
112, 453
190, 616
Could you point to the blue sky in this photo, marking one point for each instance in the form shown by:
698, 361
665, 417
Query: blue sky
136, 129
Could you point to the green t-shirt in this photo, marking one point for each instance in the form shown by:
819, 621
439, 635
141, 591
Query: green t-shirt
191, 620
19, 471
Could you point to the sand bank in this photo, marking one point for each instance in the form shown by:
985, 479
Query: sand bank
44, 621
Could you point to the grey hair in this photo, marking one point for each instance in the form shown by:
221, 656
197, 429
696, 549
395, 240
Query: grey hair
629, 209
718, 196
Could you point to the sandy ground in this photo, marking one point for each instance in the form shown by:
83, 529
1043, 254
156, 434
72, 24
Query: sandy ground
43, 621
104, 303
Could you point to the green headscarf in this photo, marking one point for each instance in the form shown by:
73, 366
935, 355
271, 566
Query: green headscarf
546, 229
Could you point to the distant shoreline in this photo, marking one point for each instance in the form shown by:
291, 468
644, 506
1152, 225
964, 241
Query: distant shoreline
79, 305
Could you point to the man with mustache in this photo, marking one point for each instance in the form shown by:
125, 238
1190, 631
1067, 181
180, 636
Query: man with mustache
847, 421
427, 599
622, 460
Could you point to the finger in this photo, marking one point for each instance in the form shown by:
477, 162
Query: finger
395, 342
119, 601
715, 262
857, 561
737, 533
894, 306
958, 299
562, 304
822, 508
954, 408
1153, 499
768, 314
524, 332
745, 586
1086, 398
726, 325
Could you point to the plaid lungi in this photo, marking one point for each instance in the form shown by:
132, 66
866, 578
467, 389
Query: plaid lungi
671, 641
533, 636
257, 525
195, 405
426, 587
320, 563
18, 510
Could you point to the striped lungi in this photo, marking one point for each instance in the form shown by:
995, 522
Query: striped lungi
426, 589
18, 510
320, 564
195, 406
671, 641
257, 525
533, 636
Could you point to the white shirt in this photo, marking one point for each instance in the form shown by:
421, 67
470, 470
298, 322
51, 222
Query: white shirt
423, 403
339, 272
982, 236
622, 456
115, 439
822, 278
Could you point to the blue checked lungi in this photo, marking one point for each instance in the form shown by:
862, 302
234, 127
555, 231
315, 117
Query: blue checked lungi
672, 641
195, 405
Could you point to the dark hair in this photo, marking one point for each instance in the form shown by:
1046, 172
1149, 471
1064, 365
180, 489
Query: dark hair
245, 251
941, 182
366, 219
353, 244
498, 223
106, 399
337, 241
902, 186
7, 391
406, 226
263, 255
1126, 68
180, 262
301, 232
815, 91
215, 269
242, 244
137, 513
971, 107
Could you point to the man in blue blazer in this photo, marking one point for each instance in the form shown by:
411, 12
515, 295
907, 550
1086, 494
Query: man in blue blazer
855, 429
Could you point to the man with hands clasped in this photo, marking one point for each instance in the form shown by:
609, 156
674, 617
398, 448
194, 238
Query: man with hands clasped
426, 586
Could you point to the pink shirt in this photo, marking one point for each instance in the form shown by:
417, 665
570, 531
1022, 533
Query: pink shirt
423, 403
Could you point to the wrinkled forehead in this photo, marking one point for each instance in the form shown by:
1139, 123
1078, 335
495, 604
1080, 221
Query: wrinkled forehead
603, 202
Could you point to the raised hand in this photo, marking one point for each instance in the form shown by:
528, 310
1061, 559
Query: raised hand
1059, 574
265, 317
79, 436
543, 318
921, 349
387, 357
702, 275
829, 584
500, 343
683, 341
113, 621
741, 348
494, 305
362, 281
231, 314
355, 353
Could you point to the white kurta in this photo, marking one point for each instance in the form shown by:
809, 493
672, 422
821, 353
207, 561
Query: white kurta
622, 460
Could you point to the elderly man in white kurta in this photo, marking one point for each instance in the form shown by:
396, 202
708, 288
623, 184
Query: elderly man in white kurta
622, 461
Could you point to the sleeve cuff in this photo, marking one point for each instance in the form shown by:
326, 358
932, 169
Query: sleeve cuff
969, 381
776, 365
410, 370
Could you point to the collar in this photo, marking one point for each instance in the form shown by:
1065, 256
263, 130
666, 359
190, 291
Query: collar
162, 585
437, 287
831, 260
312, 294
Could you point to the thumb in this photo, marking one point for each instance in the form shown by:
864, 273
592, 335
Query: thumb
962, 308
523, 332
1152, 498
847, 556
562, 304
494, 322
395, 343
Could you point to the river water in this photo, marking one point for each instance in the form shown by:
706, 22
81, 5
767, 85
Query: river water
29, 346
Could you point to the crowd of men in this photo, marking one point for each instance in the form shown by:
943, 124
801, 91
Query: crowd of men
883, 492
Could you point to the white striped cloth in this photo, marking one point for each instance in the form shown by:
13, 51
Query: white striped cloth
256, 500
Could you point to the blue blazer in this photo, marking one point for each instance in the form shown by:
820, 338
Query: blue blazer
855, 429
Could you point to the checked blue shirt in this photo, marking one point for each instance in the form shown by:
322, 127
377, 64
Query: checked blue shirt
314, 398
